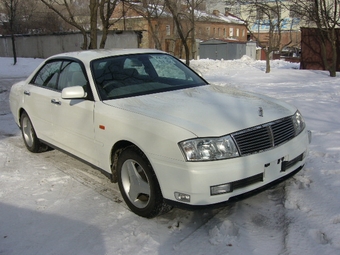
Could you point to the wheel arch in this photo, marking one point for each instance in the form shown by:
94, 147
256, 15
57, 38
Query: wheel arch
117, 148
21, 111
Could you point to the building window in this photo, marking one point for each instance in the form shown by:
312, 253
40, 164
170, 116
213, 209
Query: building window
237, 32
208, 31
231, 32
168, 30
224, 32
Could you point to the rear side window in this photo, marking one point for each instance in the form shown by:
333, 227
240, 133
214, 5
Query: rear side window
48, 75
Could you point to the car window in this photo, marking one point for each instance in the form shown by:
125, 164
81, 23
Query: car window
168, 68
141, 74
71, 75
133, 62
48, 75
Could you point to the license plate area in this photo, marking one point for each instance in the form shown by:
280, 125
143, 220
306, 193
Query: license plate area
288, 164
282, 164
271, 169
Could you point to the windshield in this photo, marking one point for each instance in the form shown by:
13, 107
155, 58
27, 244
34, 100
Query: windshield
140, 74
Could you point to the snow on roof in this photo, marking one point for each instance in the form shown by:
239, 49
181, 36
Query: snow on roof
159, 11
219, 17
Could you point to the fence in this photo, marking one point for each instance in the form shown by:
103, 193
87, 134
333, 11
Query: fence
43, 46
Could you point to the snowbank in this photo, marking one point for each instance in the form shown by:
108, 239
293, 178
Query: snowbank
53, 204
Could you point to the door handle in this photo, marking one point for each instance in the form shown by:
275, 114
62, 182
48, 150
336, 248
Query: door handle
55, 101
26, 92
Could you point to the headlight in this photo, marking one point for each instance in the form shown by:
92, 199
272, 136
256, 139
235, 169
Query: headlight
205, 149
299, 123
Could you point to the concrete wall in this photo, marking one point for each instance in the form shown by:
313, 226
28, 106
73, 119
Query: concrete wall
43, 46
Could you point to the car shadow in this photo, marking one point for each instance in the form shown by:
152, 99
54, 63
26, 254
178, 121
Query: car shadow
25, 231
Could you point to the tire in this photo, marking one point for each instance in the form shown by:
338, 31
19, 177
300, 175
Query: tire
28, 134
138, 184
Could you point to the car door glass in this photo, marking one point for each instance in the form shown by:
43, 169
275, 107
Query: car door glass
71, 75
48, 75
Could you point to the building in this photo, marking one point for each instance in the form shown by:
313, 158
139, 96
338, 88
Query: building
311, 47
259, 23
159, 26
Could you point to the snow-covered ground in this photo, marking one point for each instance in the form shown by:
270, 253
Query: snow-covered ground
51, 203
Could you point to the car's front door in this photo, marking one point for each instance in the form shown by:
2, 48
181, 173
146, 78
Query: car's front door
72, 119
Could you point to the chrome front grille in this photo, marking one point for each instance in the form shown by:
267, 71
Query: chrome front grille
264, 137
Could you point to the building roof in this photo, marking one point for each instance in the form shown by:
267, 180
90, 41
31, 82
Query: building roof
201, 16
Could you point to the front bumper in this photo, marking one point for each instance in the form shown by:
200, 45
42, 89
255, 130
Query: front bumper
244, 174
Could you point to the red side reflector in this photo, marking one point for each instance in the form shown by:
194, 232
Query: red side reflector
102, 127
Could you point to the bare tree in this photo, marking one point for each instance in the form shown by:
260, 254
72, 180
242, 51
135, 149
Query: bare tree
11, 8
176, 9
33, 17
93, 23
84, 16
67, 10
106, 8
152, 11
193, 7
324, 16
268, 14
184, 16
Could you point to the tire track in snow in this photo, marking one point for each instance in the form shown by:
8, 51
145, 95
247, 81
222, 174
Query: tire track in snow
224, 227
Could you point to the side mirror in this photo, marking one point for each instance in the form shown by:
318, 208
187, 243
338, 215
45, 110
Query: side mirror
75, 92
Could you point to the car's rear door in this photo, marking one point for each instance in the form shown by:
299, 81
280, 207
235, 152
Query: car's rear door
37, 99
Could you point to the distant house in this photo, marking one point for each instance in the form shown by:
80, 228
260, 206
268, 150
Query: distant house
259, 24
207, 26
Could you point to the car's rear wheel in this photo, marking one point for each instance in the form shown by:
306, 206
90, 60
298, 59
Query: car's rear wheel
138, 184
28, 134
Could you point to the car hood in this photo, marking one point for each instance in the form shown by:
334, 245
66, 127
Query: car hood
207, 110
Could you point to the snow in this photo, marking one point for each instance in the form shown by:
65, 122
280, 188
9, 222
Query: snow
51, 203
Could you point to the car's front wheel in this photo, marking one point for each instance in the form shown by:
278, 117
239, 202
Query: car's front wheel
138, 184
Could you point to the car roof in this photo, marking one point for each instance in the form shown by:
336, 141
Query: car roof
89, 55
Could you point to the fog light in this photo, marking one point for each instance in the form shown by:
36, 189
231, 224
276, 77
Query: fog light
182, 197
220, 189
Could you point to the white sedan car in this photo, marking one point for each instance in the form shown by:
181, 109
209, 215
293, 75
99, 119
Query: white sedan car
159, 129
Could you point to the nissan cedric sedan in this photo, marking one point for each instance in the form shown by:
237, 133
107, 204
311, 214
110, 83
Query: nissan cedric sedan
158, 128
